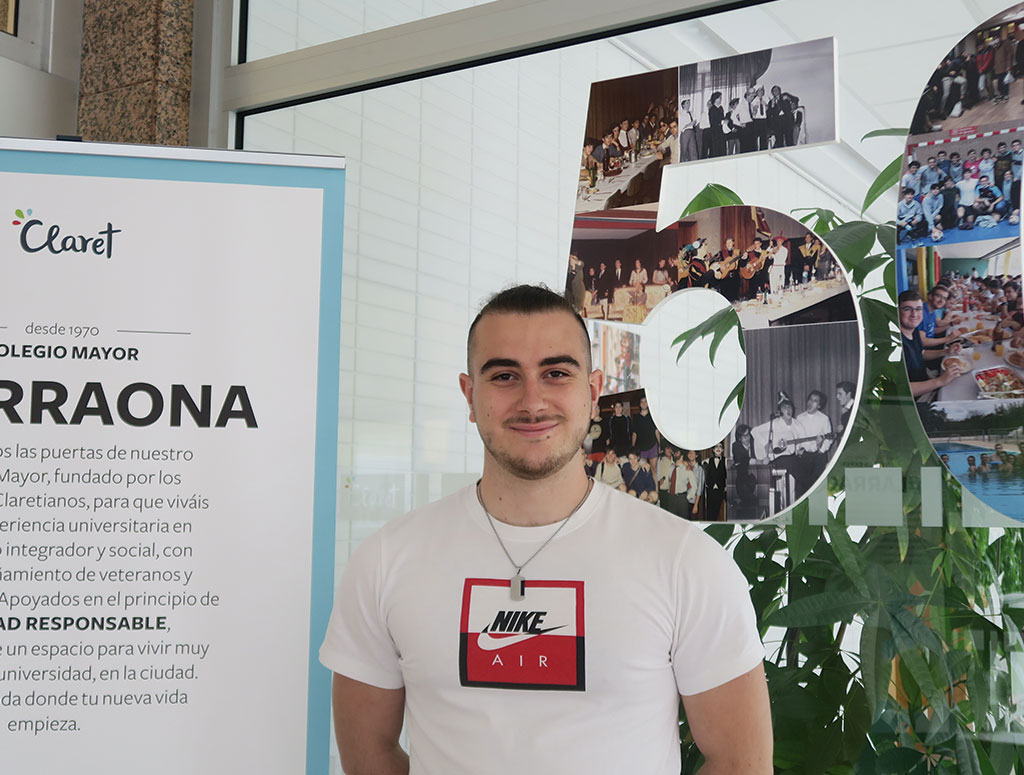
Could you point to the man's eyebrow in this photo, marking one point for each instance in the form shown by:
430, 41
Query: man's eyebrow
510, 363
500, 363
557, 360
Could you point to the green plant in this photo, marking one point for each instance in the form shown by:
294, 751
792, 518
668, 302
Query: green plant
927, 686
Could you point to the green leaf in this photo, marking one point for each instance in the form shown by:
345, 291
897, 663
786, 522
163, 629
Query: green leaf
721, 532
891, 132
886, 179
712, 195
801, 536
726, 322
708, 327
886, 235
736, 395
19, 213
875, 661
823, 608
913, 660
889, 279
851, 241
849, 555
966, 757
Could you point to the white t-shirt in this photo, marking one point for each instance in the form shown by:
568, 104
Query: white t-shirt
626, 609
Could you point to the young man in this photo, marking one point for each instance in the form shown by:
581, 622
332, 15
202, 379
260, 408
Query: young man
844, 397
435, 623
910, 307
910, 223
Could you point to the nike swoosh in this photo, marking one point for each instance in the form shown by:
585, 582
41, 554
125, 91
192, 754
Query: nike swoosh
488, 642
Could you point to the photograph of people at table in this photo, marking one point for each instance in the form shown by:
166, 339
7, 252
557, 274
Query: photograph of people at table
961, 321
977, 84
632, 131
961, 189
758, 101
801, 382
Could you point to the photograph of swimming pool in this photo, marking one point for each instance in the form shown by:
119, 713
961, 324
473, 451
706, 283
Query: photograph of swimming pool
1000, 486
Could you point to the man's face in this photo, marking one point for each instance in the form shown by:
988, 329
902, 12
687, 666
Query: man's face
643, 404
911, 313
842, 396
1015, 145
719, 450
603, 266
970, 460
931, 162
634, 461
776, 91
954, 158
813, 403
673, 127
691, 456
618, 410
618, 264
729, 243
610, 458
983, 180
530, 390
938, 299
686, 105
787, 410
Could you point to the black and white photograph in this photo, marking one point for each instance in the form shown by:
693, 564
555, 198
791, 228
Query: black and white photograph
762, 100
801, 386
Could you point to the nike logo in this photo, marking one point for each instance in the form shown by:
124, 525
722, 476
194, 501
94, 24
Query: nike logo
489, 642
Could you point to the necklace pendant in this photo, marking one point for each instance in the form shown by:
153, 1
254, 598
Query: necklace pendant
518, 587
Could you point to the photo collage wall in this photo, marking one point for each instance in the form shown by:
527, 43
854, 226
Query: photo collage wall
959, 261
794, 303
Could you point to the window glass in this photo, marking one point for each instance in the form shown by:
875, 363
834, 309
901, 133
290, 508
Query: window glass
279, 26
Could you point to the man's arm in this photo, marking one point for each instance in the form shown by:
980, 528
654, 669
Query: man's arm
367, 724
732, 726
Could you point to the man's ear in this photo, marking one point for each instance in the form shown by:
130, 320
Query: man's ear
466, 386
596, 380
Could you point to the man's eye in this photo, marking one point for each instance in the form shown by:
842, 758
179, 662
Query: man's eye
558, 373
503, 377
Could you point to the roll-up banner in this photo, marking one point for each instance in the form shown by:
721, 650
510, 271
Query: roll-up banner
169, 343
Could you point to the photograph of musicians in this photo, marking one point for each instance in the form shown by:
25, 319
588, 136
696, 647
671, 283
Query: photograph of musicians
783, 430
609, 472
779, 265
645, 434
910, 307
715, 476
639, 479
742, 456
620, 431
808, 257
695, 493
395, 657
813, 453
759, 282
844, 398
729, 286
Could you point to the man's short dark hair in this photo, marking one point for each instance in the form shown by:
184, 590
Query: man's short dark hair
908, 295
527, 300
822, 398
846, 386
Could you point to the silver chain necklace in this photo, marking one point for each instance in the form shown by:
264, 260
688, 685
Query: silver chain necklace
517, 584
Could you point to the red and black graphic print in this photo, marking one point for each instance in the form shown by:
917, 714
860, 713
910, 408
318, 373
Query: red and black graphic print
533, 643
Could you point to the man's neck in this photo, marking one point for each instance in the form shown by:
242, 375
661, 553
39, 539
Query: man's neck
532, 502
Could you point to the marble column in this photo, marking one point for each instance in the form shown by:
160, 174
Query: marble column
136, 71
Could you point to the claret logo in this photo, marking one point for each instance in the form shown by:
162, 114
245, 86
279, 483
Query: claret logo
34, 236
